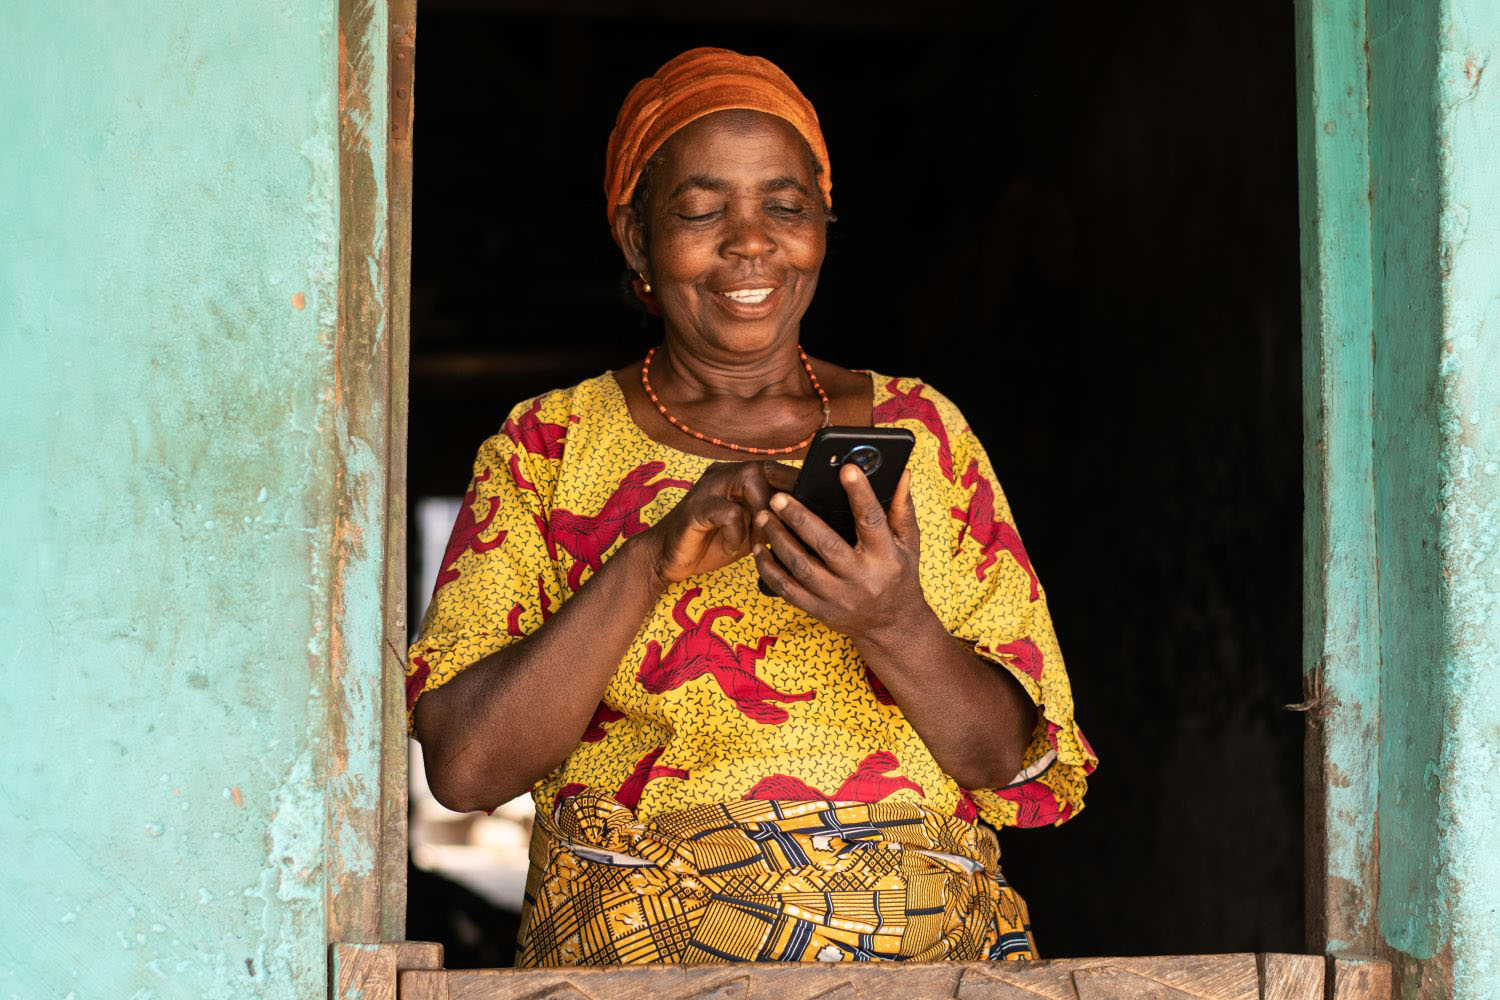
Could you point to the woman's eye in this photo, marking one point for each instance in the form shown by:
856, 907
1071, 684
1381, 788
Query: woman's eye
784, 209
687, 217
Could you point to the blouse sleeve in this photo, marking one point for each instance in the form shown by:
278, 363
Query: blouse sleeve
994, 602
496, 583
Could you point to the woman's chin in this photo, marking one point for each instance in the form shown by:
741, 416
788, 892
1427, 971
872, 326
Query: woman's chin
747, 338
738, 335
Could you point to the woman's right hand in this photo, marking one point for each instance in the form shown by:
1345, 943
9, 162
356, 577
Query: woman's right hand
710, 526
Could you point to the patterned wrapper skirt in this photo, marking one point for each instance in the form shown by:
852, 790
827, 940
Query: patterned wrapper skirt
763, 881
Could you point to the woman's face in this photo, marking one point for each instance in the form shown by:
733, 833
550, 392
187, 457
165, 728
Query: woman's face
737, 233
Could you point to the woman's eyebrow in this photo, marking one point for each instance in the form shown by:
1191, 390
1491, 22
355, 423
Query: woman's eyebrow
719, 185
703, 181
783, 184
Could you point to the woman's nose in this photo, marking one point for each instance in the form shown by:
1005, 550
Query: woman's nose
748, 236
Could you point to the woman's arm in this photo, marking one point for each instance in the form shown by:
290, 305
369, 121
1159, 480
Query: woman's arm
508, 720
974, 717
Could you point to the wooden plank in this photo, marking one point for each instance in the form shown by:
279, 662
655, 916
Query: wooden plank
796, 982
1198, 977
1340, 647
978, 984
1117, 984
1359, 978
355, 821
393, 756
418, 955
422, 984
370, 971
1291, 977
1222, 977
362, 972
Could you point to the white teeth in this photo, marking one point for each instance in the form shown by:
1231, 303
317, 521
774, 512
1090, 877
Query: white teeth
749, 296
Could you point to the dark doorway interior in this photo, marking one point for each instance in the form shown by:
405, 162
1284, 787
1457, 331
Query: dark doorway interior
1082, 226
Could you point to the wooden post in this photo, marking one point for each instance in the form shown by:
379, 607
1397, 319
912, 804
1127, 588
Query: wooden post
372, 971
1341, 658
393, 778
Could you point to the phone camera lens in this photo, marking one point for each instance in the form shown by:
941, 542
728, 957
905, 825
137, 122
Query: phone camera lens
865, 457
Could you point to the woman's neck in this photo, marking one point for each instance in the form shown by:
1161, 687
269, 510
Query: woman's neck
689, 373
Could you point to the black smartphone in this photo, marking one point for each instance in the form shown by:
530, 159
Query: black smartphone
880, 452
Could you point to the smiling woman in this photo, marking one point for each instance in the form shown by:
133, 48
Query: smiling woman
723, 774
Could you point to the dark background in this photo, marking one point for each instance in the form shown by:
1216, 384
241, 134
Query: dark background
1080, 223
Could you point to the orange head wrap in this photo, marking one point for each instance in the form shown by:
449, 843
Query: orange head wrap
697, 83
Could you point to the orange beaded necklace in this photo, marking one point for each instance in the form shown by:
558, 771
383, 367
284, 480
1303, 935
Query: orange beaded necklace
719, 442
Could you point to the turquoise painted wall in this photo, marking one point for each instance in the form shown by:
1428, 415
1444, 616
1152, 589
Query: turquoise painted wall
1404, 541
1435, 140
1467, 770
169, 200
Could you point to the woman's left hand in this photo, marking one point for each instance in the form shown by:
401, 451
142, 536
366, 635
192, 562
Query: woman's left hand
865, 590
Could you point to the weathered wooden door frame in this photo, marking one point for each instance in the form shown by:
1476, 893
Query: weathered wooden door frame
1340, 609
365, 819
367, 832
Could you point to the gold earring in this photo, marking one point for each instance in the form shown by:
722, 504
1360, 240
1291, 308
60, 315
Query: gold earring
645, 283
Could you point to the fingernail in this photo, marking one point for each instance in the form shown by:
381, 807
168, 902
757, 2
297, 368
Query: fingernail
779, 501
755, 549
762, 518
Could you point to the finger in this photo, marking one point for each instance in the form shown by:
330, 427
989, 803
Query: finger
903, 513
783, 584
733, 524
752, 489
814, 532
793, 556
727, 519
780, 477
869, 517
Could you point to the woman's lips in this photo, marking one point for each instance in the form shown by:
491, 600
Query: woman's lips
749, 296
750, 303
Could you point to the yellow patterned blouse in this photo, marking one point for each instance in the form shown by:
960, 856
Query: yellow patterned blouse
727, 694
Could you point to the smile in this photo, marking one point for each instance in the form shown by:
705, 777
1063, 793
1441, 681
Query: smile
749, 296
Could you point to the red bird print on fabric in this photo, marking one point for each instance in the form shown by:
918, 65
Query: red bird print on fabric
967, 809
536, 435
698, 651
1021, 654
878, 688
513, 618
992, 535
518, 477
870, 782
1038, 806
523, 483
466, 532
603, 715
631, 789
911, 405
416, 680
586, 538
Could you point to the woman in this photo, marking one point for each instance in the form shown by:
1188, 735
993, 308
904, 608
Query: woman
722, 775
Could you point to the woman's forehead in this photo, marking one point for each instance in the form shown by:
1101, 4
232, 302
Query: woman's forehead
738, 145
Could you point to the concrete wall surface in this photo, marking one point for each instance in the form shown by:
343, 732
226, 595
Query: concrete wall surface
169, 198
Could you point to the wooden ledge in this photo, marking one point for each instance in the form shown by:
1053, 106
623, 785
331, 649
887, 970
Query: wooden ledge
412, 971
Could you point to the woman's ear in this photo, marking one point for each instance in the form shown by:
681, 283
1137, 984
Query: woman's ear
630, 234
